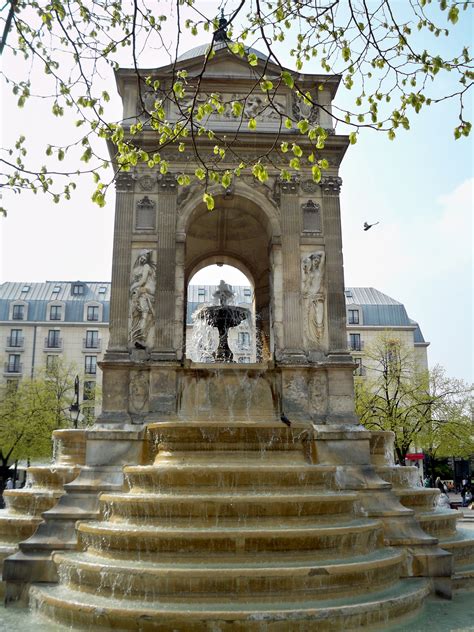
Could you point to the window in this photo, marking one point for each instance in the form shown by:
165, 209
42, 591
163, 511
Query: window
93, 312
244, 339
13, 365
201, 295
91, 365
78, 289
247, 292
353, 316
18, 312
51, 362
16, 339
354, 342
102, 289
53, 341
25, 288
244, 360
359, 370
92, 340
56, 289
55, 312
89, 391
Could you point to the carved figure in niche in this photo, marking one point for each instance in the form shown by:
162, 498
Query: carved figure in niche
142, 298
139, 387
312, 267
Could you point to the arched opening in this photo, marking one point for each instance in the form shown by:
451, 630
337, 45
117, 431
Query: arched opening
238, 233
209, 287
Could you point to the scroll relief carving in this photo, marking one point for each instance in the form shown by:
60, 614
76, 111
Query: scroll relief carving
312, 268
142, 298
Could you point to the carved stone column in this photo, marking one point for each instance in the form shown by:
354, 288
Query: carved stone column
165, 270
290, 247
336, 307
119, 299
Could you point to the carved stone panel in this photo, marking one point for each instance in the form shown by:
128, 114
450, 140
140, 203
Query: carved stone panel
311, 217
145, 215
139, 392
313, 292
142, 299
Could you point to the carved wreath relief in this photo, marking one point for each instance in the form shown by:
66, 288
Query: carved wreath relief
139, 391
142, 298
312, 268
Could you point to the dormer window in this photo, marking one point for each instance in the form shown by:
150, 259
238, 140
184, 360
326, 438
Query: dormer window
25, 288
353, 316
78, 289
18, 312
102, 289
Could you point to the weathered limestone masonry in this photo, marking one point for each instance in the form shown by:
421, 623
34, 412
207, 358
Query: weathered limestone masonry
226, 519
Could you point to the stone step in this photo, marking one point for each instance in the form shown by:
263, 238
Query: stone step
228, 476
247, 578
439, 522
87, 610
291, 502
52, 476
357, 536
461, 546
401, 477
244, 436
14, 528
463, 578
419, 498
31, 501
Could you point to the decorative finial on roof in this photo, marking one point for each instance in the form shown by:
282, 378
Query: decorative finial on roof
221, 34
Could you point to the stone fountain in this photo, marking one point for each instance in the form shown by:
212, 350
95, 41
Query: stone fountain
223, 316
192, 507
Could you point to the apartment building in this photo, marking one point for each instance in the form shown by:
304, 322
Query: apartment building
42, 322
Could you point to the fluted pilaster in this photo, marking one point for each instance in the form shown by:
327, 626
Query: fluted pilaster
336, 307
119, 299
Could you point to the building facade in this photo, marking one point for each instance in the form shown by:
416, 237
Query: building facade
41, 323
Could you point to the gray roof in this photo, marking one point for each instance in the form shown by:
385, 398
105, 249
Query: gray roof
381, 310
38, 295
200, 51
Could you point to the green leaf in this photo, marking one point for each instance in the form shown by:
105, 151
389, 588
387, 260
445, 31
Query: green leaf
353, 138
252, 124
316, 173
288, 78
237, 108
252, 59
200, 173
209, 200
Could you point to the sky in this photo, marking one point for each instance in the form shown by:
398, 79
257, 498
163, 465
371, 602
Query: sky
418, 187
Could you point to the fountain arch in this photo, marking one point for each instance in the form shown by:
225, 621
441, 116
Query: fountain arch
242, 232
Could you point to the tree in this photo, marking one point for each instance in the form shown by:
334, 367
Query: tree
422, 408
386, 52
31, 410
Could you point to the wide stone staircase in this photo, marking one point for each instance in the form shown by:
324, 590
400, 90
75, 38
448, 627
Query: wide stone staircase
231, 526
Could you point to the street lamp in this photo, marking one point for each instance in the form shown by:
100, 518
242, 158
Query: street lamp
74, 407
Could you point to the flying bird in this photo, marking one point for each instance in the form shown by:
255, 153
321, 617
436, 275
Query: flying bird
285, 420
367, 226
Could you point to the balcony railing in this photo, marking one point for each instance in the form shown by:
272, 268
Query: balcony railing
13, 367
15, 342
92, 344
91, 370
53, 343
355, 345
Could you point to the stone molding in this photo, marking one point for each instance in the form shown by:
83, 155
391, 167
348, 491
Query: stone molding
290, 186
331, 185
125, 181
168, 183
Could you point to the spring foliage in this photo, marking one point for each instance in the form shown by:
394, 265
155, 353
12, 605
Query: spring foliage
396, 58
